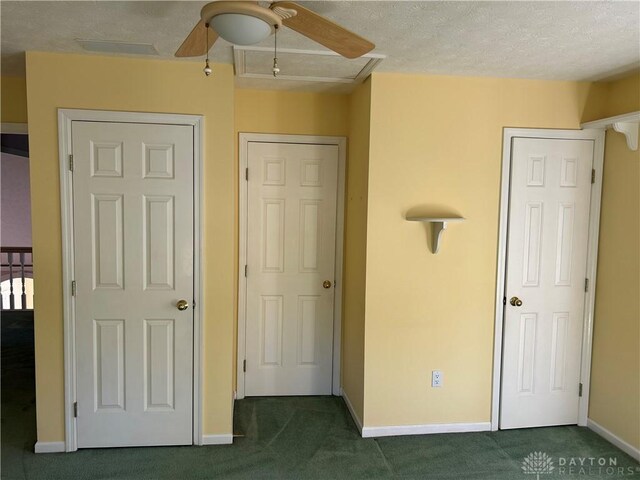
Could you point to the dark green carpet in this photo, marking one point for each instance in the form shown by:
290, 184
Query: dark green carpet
285, 437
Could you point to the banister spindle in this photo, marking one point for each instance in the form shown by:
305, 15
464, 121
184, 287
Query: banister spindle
11, 298
23, 297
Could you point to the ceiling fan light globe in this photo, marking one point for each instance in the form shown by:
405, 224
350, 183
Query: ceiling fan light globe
241, 29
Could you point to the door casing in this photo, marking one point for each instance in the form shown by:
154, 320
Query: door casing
592, 258
243, 206
65, 119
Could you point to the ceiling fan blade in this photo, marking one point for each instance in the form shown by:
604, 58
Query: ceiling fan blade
194, 44
324, 31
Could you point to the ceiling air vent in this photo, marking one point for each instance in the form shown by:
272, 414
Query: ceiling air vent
104, 46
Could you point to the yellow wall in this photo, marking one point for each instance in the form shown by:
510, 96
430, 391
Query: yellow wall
595, 101
608, 99
354, 285
117, 83
13, 99
296, 113
436, 147
623, 96
416, 143
614, 402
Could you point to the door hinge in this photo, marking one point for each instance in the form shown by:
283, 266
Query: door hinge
586, 284
593, 175
71, 162
75, 409
245, 270
246, 174
244, 366
73, 288
579, 389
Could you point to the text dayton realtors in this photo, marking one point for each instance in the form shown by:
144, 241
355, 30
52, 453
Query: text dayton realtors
592, 466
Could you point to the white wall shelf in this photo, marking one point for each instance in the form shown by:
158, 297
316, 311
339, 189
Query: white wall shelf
626, 124
438, 225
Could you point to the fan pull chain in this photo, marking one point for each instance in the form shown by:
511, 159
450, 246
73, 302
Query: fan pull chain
207, 69
276, 70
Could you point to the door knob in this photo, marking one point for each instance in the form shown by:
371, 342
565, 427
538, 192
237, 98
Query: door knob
515, 301
182, 305
326, 284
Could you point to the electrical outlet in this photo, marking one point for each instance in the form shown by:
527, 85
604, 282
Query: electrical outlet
437, 379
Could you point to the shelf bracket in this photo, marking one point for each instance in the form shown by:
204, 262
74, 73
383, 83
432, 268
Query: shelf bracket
626, 124
437, 229
438, 226
630, 131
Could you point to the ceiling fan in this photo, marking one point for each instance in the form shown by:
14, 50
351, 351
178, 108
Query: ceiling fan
246, 23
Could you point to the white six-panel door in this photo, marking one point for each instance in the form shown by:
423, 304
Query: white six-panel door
291, 242
133, 238
545, 281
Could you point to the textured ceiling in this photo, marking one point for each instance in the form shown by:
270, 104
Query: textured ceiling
539, 40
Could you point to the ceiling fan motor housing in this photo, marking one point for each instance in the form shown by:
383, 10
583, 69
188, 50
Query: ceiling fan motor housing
239, 15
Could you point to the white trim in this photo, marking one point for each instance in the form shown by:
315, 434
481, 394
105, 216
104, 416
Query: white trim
592, 258
240, 65
614, 439
48, 447
65, 119
325, 53
609, 121
224, 439
395, 430
68, 302
199, 254
339, 266
243, 161
15, 128
243, 151
352, 411
592, 269
626, 124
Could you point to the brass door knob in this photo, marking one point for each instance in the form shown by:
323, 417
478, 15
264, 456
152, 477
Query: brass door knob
182, 305
326, 284
515, 301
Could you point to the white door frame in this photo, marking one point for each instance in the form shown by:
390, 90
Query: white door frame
65, 119
243, 209
592, 258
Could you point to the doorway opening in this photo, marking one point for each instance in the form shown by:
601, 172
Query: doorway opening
16, 278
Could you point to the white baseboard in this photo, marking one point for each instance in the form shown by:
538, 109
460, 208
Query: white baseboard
394, 430
49, 447
352, 411
611, 437
225, 439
